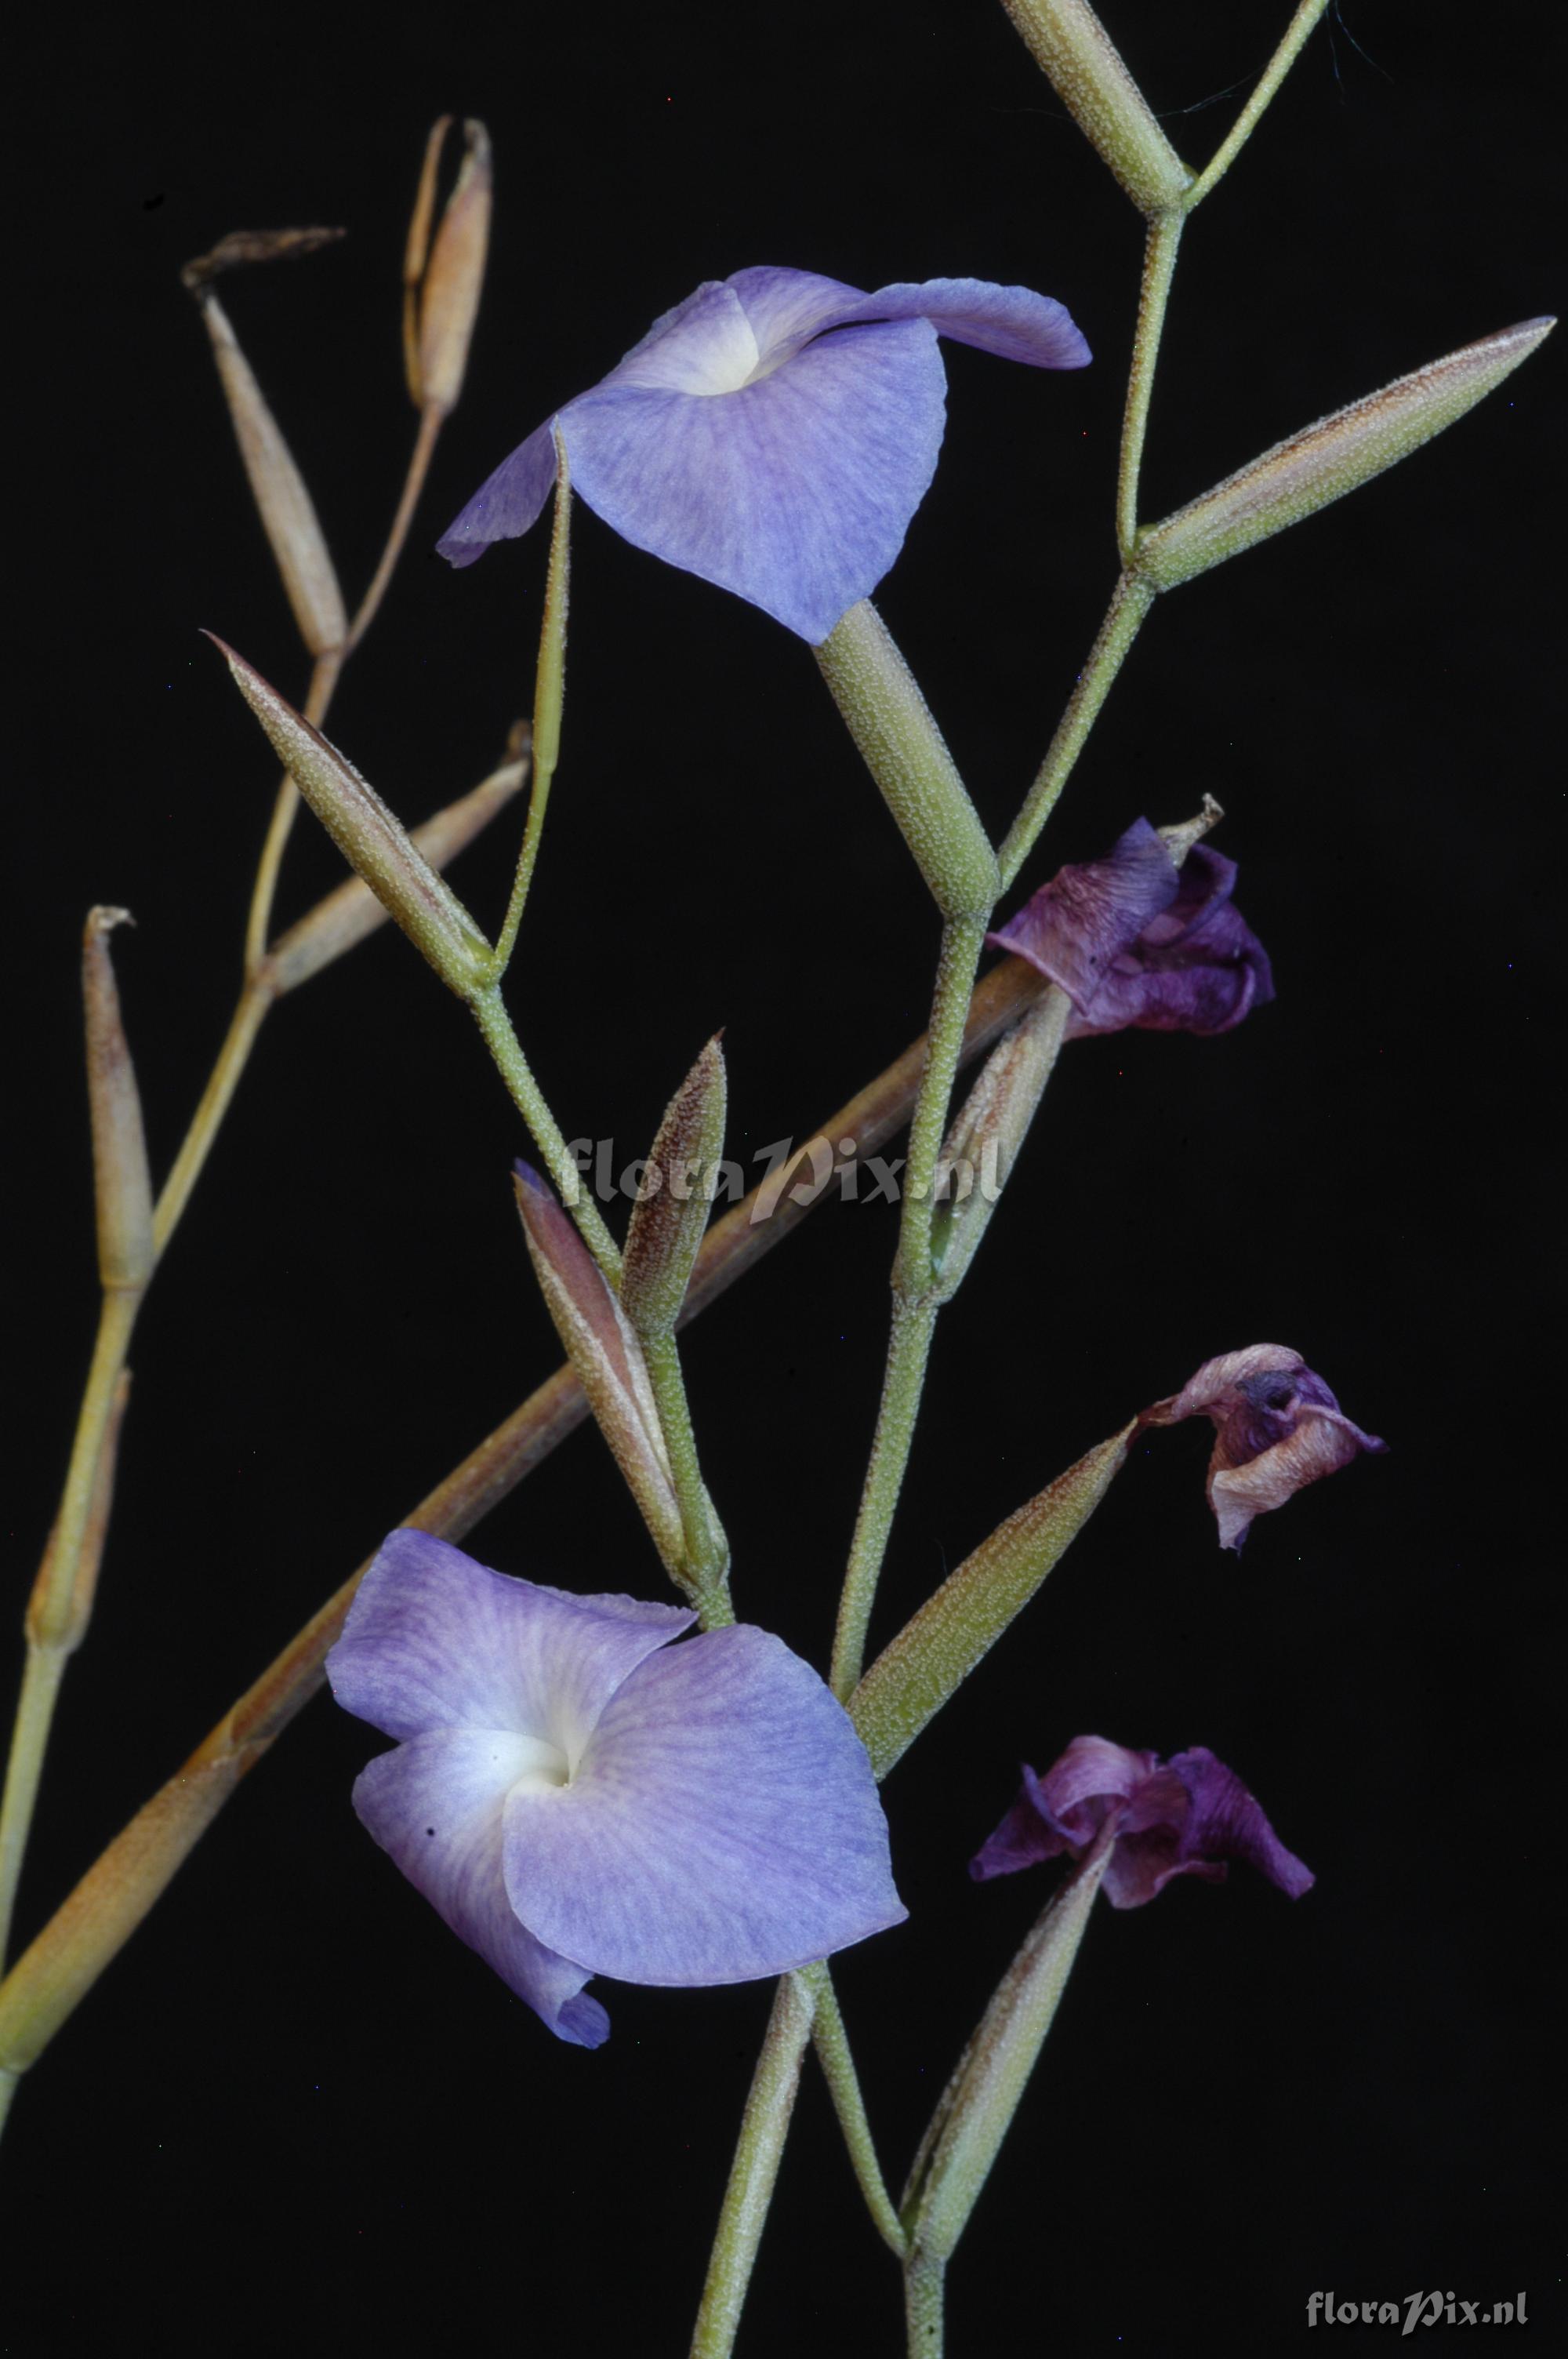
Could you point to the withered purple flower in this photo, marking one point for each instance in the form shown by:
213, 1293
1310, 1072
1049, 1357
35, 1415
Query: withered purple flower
1187, 1816
1278, 1427
774, 434
1135, 939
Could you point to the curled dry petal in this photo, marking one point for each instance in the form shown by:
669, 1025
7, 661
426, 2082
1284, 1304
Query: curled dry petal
1185, 1817
1278, 1427
1142, 939
576, 1801
774, 434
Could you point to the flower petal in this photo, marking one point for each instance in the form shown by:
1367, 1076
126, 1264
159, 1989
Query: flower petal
507, 502
1131, 941
1012, 322
435, 1641
795, 491
706, 345
435, 1806
1278, 1427
1227, 1823
1092, 912
722, 1824
788, 307
1324, 1441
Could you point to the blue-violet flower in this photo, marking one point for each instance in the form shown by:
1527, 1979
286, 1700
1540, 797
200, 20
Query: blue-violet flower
774, 434
1184, 1817
578, 1797
1136, 940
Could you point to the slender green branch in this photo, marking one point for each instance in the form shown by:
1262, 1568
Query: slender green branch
1301, 26
903, 1380
495, 1026
832, 2044
706, 1550
207, 1121
48, 1614
41, 1675
1162, 238
913, 1306
549, 697
81, 1522
763, 2127
923, 2289
1129, 602
431, 418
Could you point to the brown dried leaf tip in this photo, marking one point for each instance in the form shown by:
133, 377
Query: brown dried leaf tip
243, 247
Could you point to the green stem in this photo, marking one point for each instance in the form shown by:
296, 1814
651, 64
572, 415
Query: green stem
913, 1304
1279, 66
46, 1664
706, 1550
1129, 602
431, 420
495, 1026
832, 2044
923, 2282
41, 1677
1163, 236
963, 940
206, 1122
549, 697
764, 2128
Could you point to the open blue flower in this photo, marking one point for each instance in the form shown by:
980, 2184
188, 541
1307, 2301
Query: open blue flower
774, 434
575, 1800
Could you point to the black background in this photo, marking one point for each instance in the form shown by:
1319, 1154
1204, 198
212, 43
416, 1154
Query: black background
296, 2107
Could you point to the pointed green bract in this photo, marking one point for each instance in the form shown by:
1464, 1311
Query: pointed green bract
608, 1358
123, 1185
671, 1212
977, 2105
913, 1678
371, 838
1324, 461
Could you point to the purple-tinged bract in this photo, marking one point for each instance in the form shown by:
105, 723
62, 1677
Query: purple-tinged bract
774, 434
1277, 1429
574, 1799
1186, 1816
1135, 940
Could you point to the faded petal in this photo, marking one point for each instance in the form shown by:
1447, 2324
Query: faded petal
1134, 942
1227, 1823
1188, 1816
1065, 1809
435, 1641
723, 1824
1278, 1427
436, 1805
